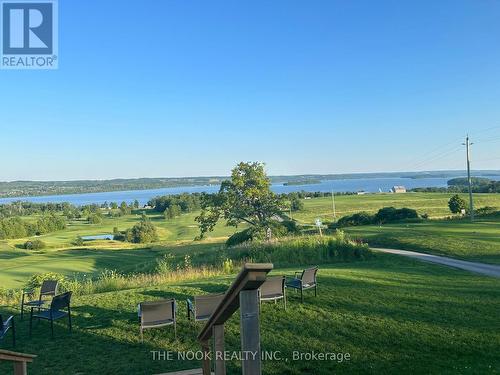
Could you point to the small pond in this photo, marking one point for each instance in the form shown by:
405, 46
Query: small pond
98, 237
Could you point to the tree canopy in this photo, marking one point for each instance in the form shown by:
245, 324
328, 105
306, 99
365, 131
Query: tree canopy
245, 198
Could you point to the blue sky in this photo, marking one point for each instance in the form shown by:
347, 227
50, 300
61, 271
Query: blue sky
182, 88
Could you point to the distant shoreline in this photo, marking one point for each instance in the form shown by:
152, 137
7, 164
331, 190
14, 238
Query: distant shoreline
20, 189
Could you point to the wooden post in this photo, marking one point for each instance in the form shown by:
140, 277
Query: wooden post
206, 361
220, 364
20, 368
250, 332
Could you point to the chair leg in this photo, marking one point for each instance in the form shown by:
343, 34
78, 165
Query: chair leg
52, 327
22, 307
69, 321
284, 299
301, 295
31, 320
142, 334
13, 333
175, 330
315, 291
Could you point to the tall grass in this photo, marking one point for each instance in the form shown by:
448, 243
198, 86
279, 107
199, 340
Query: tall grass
304, 250
292, 251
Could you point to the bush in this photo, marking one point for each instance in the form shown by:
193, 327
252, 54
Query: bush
36, 280
142, 232
34, 245
94, 219
361, 218
78, 241
240, 237
456, 204
391, 214
165, 264
487, 211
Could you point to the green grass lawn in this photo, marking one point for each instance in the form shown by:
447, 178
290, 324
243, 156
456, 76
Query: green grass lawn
478, 241
433, 204
392, 315
182, 228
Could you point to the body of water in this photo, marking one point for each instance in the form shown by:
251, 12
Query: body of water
371, 185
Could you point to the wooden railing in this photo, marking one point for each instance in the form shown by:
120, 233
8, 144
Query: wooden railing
20, 360
242, 294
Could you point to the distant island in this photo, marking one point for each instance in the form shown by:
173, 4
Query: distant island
302, 182
9, 189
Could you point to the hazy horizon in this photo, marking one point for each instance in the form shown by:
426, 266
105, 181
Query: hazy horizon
473, 172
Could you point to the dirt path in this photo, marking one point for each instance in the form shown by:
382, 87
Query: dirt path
482, 268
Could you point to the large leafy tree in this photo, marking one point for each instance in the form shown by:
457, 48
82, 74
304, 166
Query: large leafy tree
245, 198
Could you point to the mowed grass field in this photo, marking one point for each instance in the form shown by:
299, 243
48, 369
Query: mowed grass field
433, 204
478, 241
392, 315
61, 256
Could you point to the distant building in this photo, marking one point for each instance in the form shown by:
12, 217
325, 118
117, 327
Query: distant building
361, 192
398, 189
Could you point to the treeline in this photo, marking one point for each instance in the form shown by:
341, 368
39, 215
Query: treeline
22, 208
15, 227
384, 215
460, 185
180, 203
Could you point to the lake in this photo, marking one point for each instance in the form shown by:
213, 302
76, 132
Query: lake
371, 185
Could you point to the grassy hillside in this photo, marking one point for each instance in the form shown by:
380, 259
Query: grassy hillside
433, 204
392, 315
455, 238
478, 241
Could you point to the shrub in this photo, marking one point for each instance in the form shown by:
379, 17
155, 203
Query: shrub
165, 264
94, 219
34, 245
391, 214
78, 241
456, 204
142, 232
36, 281
240, 237
486, 211
360, 218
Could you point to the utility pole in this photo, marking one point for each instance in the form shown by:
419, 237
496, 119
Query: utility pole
469, 181
333, 206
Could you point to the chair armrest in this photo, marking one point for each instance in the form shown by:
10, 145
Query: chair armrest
190, 305
297, 274
9, 321
28, 292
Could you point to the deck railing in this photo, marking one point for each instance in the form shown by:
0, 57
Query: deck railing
19, 359
242, 294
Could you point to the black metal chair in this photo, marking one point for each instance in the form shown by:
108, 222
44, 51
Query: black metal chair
5, 325
48, 289
306, 280
54, 312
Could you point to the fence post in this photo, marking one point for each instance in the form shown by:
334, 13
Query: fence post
206, 359
220, 364
250, 332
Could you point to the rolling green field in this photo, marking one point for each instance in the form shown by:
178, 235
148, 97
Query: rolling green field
480, 242
392, 315
433, 204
